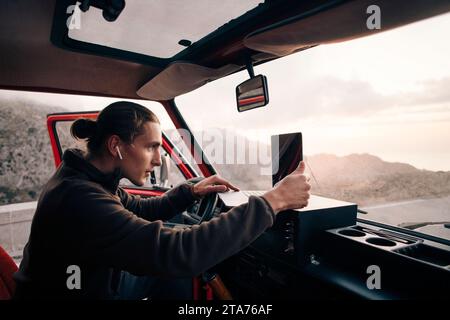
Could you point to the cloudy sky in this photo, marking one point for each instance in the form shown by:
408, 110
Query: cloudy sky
387, 95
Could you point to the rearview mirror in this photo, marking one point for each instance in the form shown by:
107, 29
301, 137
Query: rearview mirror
252, 93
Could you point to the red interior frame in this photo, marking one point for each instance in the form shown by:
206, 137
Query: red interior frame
178, 124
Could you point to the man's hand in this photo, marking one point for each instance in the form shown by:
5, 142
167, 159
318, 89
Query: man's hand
290, 193
212, 184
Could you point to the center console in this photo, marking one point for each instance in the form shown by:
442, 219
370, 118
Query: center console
322, 251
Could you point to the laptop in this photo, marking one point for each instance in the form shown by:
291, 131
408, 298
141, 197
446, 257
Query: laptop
286, 154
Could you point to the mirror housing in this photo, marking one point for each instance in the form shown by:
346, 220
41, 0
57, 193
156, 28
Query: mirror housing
159, 177
164, 172
252, 93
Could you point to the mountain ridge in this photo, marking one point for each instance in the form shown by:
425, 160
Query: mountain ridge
26, 163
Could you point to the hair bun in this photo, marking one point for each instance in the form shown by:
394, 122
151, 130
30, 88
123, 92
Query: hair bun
83, 128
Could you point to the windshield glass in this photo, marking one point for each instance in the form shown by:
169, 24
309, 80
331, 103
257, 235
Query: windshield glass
374, 114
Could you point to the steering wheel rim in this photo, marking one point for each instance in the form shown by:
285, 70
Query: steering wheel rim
206, 207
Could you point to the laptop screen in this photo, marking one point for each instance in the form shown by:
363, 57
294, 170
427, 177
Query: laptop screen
287, 152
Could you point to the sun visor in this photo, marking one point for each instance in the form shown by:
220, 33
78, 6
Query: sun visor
181, 77
339, 23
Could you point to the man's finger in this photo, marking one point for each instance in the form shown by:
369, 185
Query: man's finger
219, 180
301, 167
217, 188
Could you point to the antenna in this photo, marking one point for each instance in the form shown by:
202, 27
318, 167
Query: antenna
312, 174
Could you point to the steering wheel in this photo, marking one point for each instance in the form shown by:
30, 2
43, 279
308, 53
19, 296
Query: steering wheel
206, 207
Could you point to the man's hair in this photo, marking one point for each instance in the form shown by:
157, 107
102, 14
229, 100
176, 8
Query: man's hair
124, 119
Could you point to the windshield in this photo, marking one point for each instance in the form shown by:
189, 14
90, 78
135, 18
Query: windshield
374, 114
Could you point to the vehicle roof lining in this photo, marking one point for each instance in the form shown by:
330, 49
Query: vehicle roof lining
31, 62
182, 77
338, 24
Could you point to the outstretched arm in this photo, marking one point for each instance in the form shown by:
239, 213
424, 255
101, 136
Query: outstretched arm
174, 201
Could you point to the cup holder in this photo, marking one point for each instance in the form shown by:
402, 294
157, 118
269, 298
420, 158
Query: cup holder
351, 233
381, 242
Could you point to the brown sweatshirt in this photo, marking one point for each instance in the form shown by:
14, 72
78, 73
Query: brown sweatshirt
84, 219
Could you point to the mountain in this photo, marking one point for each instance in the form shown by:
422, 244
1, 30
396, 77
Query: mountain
361, 178
26, 160
367, 179
356, 167
246, 176
26, 163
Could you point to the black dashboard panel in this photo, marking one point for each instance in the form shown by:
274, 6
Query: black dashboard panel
326, 254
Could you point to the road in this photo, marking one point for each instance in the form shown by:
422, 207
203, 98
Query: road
414, 211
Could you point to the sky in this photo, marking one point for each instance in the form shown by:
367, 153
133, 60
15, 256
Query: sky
386, 94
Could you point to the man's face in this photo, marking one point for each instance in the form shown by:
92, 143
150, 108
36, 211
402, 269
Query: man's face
140, 157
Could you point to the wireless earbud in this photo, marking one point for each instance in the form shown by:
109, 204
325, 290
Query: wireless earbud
118, 151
